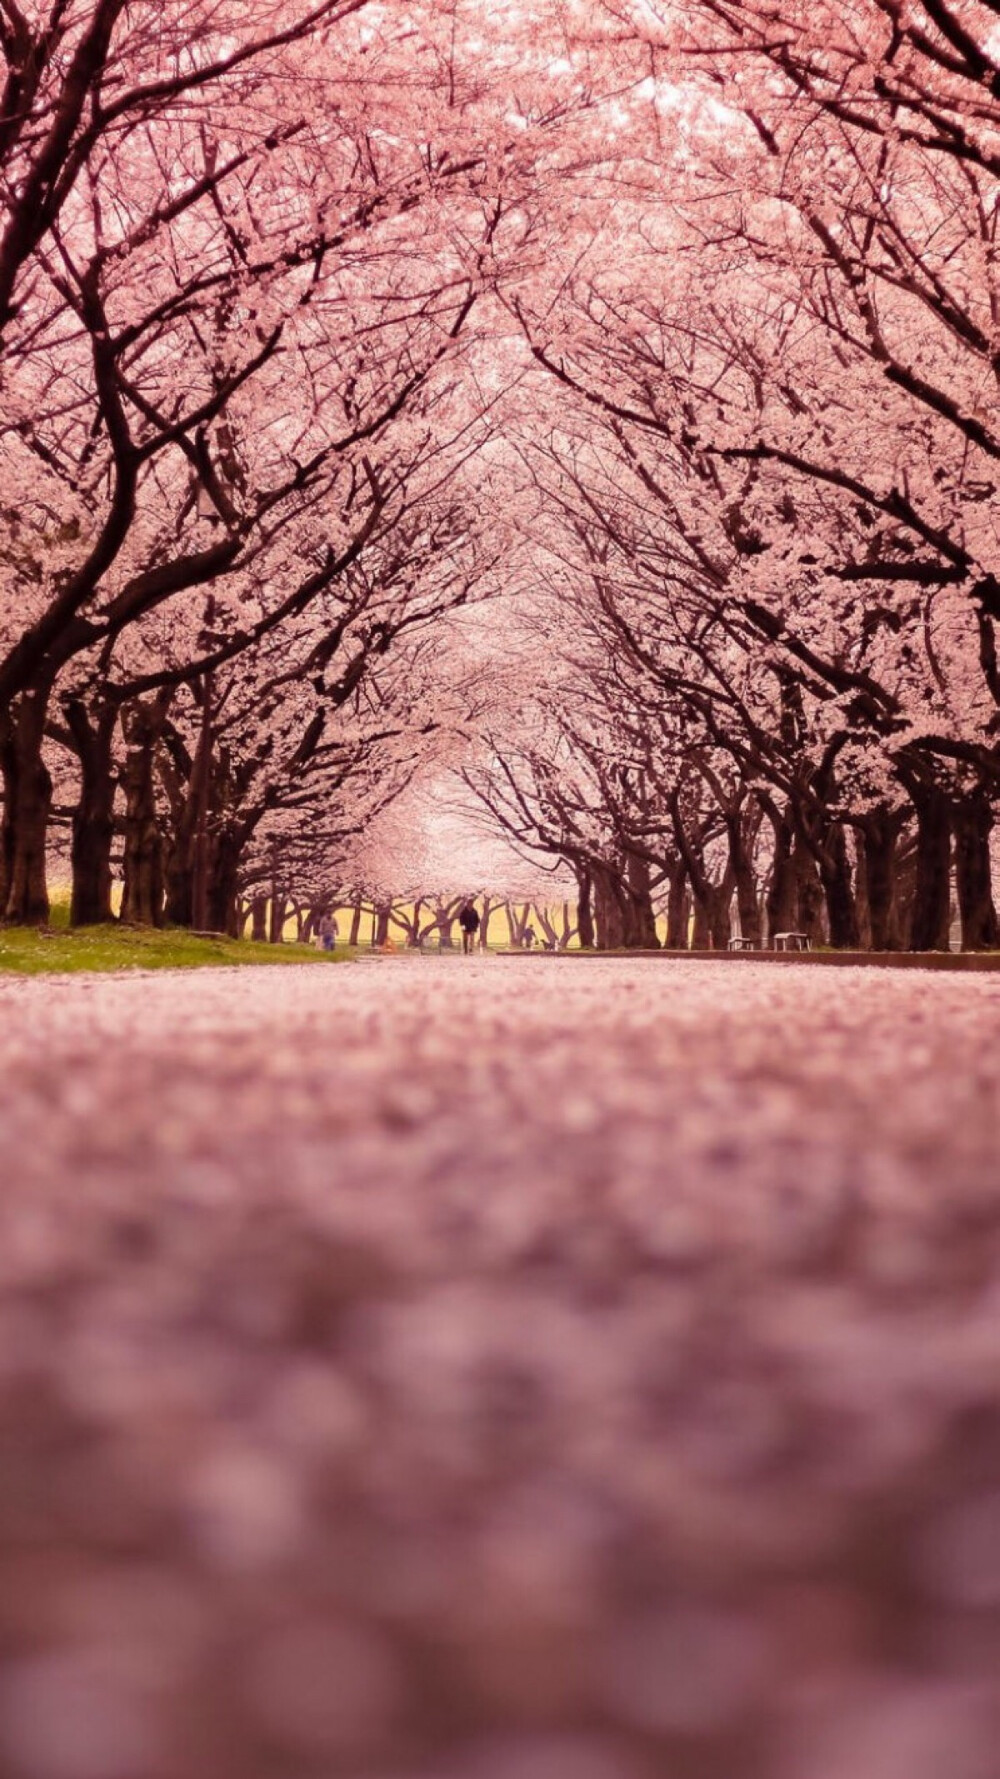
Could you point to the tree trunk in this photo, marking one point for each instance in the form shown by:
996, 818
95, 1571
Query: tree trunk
223, 893
178, 875
8, 773
584, 908
973, 822
712, 901
719, 912
678, 907
782, 901
356, 913
279, 915
701, 932
712, 912
27, 803
932, 895
200, 797
640, 919
411, 924
142, 890
380, 926
568, 929
741, 868
809, 897
484, 924
550, 938
258, 916
838, 889
94, 815
879, 838
609, 917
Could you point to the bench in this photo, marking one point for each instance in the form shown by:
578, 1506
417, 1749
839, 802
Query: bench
742, 945
792, 942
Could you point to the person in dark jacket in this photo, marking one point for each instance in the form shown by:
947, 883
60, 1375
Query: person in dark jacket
468, 920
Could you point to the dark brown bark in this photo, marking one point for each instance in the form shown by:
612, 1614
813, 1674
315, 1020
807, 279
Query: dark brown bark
712, 901
782, 900
278, 916
720, 919
879, 839
222, 901
142, 890
356, 914
8, 776
258, 917
484, 924
972, 822
931, 918
838, 889
640, 918
94, 815
201, 852
584, 908
27, 804
178, 878
32, 212
809, 896
701, 932
174, 770
678, 907
609, 913
741, 833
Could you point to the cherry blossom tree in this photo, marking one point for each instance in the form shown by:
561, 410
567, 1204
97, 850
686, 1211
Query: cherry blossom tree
844, 276
708, 292
310, 272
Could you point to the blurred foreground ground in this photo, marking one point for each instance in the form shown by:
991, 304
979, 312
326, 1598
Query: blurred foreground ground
443, 1369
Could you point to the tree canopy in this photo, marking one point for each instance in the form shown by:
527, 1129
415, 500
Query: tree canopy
590, 407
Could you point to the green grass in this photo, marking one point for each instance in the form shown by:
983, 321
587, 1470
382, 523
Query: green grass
31, 951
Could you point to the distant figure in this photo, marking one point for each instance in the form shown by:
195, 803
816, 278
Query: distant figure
468, 920
530, 938
328, 932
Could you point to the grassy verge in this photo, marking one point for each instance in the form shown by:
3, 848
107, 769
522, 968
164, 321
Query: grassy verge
28, 951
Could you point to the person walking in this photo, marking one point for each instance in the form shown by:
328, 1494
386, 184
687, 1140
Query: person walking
468, 920
328, 932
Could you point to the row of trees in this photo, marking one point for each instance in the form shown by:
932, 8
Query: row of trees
429, 922
679, 324
765, 488
244, 252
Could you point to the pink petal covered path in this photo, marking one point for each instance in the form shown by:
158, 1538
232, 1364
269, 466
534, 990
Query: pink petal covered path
438, 1370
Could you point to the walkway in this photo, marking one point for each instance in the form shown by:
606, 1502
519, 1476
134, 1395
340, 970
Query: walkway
438, 1370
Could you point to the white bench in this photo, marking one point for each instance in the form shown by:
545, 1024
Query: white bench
792, 942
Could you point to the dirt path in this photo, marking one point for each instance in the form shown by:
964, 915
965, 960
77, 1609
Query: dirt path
441, 1370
